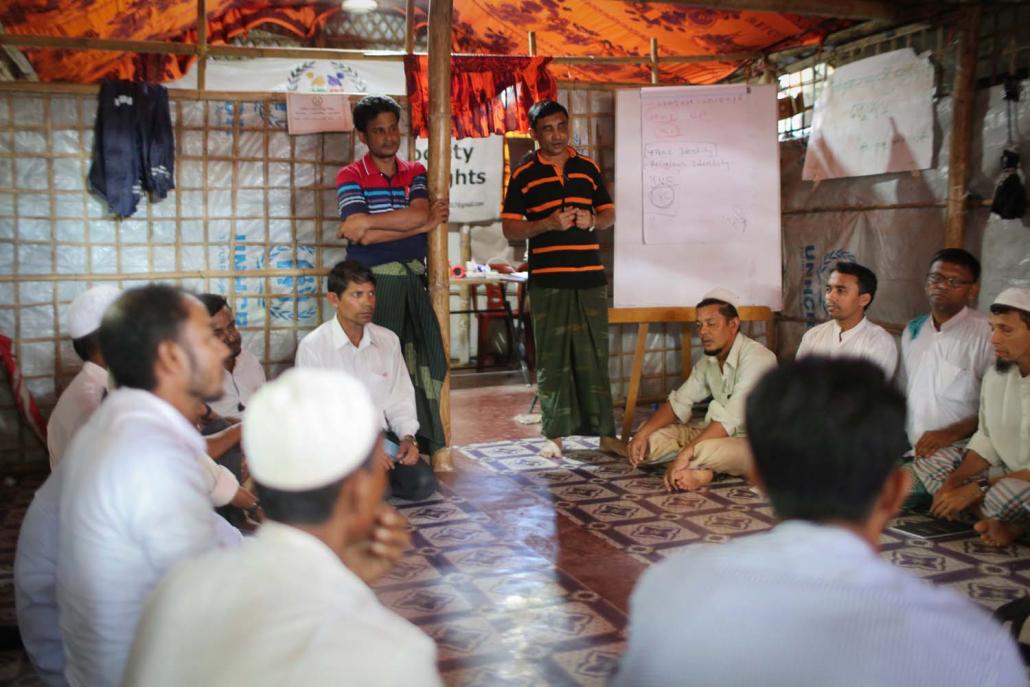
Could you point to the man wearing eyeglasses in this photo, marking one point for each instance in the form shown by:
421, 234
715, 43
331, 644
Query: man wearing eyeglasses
944, 355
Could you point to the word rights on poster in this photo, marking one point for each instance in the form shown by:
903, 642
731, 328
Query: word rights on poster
702, 163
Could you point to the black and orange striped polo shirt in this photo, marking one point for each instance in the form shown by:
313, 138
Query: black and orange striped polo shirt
568, 259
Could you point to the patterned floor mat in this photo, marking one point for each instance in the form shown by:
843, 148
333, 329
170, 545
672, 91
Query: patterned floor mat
630, 510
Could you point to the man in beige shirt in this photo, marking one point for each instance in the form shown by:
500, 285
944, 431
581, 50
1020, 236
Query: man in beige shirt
731, 366
993, 480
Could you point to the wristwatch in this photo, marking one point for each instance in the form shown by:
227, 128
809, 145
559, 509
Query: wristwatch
984, 484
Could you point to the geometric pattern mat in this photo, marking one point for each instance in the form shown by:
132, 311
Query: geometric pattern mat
631, 511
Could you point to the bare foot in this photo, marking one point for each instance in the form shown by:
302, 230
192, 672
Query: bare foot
551, 449
997, 533
614, 445
692, 480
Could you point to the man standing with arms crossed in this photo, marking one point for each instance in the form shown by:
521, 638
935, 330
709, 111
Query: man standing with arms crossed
557, 199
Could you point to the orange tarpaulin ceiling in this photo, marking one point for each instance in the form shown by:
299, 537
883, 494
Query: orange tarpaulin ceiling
156, 20
617, 28
496, 27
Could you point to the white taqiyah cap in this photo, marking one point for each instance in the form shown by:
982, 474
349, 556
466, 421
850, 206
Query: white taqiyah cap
87, 310
1014, 297
724, 295
308, 429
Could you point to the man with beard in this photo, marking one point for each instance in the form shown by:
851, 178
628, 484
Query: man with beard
731, 366
372, 354
132, 498
849, 293
992, 483
944, 356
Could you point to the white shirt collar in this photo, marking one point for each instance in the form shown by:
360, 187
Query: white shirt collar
319, 556
840, 336
95, 373
955, 321
341, 340
151, 404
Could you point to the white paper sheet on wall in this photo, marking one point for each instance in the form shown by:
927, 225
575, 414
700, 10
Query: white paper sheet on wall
874, 116
697, 195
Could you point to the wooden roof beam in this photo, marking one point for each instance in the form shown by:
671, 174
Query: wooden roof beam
858, 10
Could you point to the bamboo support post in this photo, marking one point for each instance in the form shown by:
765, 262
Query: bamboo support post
532, 43
440, 12
962, 97
201, 45
654, 60
409, 26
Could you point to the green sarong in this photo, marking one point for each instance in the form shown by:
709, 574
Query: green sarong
403, 306
570, 328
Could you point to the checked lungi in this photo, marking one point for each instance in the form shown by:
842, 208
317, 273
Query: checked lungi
570, 329
1007, 499
403, 307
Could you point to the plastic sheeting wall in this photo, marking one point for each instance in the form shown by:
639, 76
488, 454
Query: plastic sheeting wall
838, 219
249, 199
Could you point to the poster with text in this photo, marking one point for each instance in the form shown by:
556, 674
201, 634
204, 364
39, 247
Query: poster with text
874, 116
477, 165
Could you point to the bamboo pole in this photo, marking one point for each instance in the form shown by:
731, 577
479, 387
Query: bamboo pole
63, 88
962, 97
440, 12
532, 43
654, 60
409, 26
201, 45
170, 48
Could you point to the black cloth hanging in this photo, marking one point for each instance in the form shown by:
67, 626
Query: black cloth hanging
1009, 193
133, 145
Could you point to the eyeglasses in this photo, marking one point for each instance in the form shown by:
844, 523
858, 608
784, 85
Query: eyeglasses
936, 278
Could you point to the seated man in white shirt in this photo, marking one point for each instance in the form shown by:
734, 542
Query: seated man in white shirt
243, 373
132, 500
944, 356
292, 605
372, 354
992, 483
730, 367
87, 389
850, 291
811, 602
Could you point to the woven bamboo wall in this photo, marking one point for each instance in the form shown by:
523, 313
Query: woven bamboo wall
253, 217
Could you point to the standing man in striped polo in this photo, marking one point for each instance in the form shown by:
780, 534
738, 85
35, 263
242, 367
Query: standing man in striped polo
386, 212
557, 199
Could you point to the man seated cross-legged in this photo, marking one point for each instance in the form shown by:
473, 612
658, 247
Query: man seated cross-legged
992, 483
731, 366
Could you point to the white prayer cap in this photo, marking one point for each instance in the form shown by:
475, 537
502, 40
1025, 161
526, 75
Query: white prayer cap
1014, 297
724, 295
87, 310
308, 429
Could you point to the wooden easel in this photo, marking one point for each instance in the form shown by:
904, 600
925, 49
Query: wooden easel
642, 317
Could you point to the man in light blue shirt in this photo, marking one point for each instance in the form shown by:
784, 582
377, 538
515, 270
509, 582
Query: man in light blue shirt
811, 602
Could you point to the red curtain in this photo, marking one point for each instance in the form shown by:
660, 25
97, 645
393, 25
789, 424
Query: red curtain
489, 95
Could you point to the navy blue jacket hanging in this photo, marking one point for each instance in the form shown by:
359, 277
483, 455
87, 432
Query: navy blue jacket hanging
133, 145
